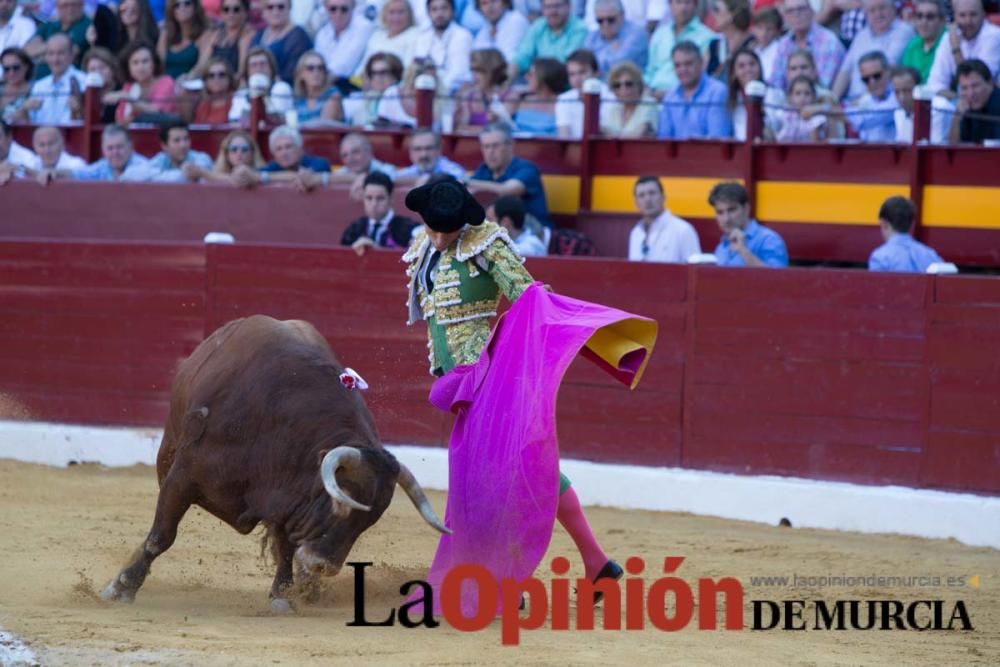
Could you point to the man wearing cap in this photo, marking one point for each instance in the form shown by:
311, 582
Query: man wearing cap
458, 265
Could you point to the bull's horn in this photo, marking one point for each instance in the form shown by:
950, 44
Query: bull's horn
340, 456
416, 495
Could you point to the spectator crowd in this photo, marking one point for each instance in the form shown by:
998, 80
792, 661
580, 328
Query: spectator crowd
679, 69
826, 69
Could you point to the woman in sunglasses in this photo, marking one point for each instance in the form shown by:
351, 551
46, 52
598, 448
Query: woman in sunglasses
17, 74
238, 149
185, 43
316, 98
285, 40
633, 112
232, 38
380, 103
217, 96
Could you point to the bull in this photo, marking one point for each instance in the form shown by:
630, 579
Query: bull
261, 430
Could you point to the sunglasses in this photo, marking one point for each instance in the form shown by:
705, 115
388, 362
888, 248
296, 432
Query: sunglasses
627, 83
606, 19
183, 3
314, 67
17, 67
238, 148
232, 10
872, 77
933, 16
219, 74
276, 8
342, 9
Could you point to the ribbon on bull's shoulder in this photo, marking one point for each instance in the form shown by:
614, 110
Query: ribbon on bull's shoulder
503, 456
350, 380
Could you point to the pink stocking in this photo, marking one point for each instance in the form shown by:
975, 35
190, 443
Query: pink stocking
572, 518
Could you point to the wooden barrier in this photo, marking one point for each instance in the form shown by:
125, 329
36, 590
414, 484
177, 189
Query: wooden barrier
91, 332
843, 375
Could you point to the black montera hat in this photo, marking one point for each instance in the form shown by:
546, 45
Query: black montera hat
445, 205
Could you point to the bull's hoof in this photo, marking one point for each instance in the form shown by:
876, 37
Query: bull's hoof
282, 606
113, 593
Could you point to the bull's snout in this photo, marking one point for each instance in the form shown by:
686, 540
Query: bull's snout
309, 564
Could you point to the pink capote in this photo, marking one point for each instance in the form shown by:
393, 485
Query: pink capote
503, 457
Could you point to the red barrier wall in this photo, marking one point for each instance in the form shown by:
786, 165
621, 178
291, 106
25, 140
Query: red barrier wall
91, 333
825, 374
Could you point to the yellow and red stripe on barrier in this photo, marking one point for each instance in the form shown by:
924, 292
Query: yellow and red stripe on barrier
790, 201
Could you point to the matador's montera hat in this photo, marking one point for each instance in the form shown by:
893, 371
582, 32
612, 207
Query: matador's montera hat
445, 204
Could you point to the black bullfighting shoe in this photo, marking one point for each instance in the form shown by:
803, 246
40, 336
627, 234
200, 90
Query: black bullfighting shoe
611, 570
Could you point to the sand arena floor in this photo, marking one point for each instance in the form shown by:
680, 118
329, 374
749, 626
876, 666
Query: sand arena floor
65, 532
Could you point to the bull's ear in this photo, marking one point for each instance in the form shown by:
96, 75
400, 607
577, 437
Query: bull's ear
320, 455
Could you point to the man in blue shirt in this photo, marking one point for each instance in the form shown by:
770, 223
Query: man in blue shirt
168, 166
616, 40
745, 242
502, 173
900, 252
697, 107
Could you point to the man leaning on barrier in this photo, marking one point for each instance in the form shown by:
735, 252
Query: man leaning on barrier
290, 165
117, 154
978, 112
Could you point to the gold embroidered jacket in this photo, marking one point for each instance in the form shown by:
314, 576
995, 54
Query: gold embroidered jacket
471, 274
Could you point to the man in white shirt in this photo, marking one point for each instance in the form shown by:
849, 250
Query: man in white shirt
13, 156
49, 103
503, 27
446, 44
50, 152
342, 40
659, 236
15, 30
970, 37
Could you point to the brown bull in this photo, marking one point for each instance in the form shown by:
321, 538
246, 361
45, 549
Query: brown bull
261, 430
